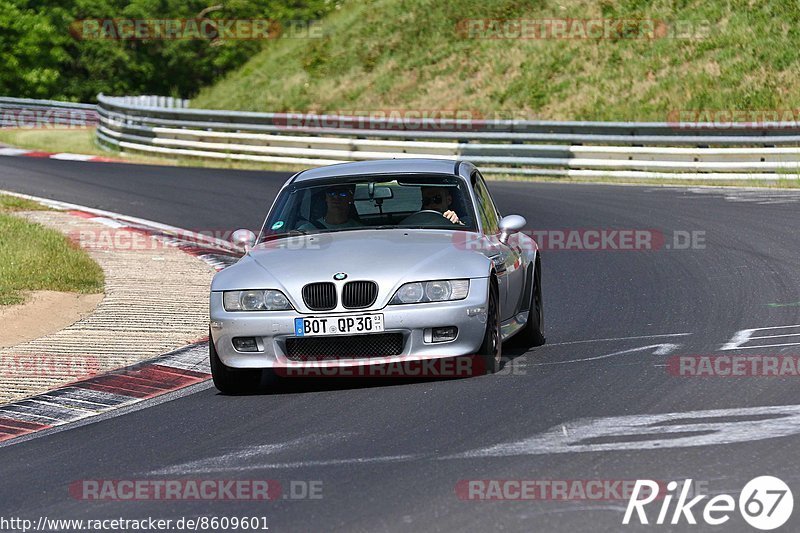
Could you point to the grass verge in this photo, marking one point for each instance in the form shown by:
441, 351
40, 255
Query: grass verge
34, 258
81, 141
75, 141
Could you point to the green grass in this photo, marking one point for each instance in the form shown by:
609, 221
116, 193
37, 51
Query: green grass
12, 203
81, 141
409, 54
34, 258
76, 141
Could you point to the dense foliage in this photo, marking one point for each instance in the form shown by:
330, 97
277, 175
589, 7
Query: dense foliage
42, 54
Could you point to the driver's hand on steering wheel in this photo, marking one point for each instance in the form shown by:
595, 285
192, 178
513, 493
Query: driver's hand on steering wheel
452, 217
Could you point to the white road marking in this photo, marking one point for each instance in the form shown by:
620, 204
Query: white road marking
602, 506
300, 464
654, 432
776, 336
758, 196
13, 151
630, 432
620, 339
111, 223
739, 338
658, 349
746, 335
767, 346
256, 455
72, 157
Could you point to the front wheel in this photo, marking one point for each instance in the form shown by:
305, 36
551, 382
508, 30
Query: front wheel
491, 350
533, 332
231, 380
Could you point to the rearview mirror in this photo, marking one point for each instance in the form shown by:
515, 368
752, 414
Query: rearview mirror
244, 239
380, 192
510, 224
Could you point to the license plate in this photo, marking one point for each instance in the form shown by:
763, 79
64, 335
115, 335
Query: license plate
338, 325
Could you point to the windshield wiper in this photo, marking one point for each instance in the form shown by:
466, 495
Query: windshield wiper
292, 233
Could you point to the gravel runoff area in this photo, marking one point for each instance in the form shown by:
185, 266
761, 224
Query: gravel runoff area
156, 300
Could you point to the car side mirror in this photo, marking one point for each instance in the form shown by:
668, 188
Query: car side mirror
244, 239
510, 224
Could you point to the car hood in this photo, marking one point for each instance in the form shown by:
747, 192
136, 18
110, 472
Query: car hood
390, 257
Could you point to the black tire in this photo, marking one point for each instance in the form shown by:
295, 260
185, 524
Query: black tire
491, 350
533, 332
232, 380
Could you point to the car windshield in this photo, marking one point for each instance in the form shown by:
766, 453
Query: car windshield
371, 202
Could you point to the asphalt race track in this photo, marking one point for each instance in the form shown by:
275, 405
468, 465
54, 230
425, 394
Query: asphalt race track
390, 454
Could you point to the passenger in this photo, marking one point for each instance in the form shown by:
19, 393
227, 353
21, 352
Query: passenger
338, 212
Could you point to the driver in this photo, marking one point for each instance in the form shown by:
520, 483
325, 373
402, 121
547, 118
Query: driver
338, 203
440, 199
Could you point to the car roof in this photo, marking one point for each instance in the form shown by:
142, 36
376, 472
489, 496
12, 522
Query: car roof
383, 166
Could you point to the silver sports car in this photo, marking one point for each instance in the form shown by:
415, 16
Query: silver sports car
373, 263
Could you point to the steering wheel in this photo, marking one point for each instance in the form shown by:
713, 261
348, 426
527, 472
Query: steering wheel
425, 217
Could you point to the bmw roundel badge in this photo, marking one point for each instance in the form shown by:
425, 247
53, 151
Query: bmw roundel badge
339, 276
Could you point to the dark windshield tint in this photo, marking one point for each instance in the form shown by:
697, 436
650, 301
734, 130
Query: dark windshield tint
371, 202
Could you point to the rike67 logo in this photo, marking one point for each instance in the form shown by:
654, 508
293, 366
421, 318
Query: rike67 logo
765, 503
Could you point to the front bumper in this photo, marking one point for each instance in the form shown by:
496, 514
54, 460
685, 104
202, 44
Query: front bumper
272, 328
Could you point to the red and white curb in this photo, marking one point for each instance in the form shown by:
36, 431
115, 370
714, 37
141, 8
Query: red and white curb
133, 384
106, 392
64, 156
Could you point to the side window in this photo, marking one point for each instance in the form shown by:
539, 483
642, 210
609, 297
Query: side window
486, 210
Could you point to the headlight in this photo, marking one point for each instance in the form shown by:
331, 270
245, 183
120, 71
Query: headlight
431, 291
269, 300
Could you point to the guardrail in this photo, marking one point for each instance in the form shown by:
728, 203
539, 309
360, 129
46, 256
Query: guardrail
653, 150
29, 113
169, 127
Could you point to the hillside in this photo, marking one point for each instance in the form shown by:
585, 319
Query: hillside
421, 55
